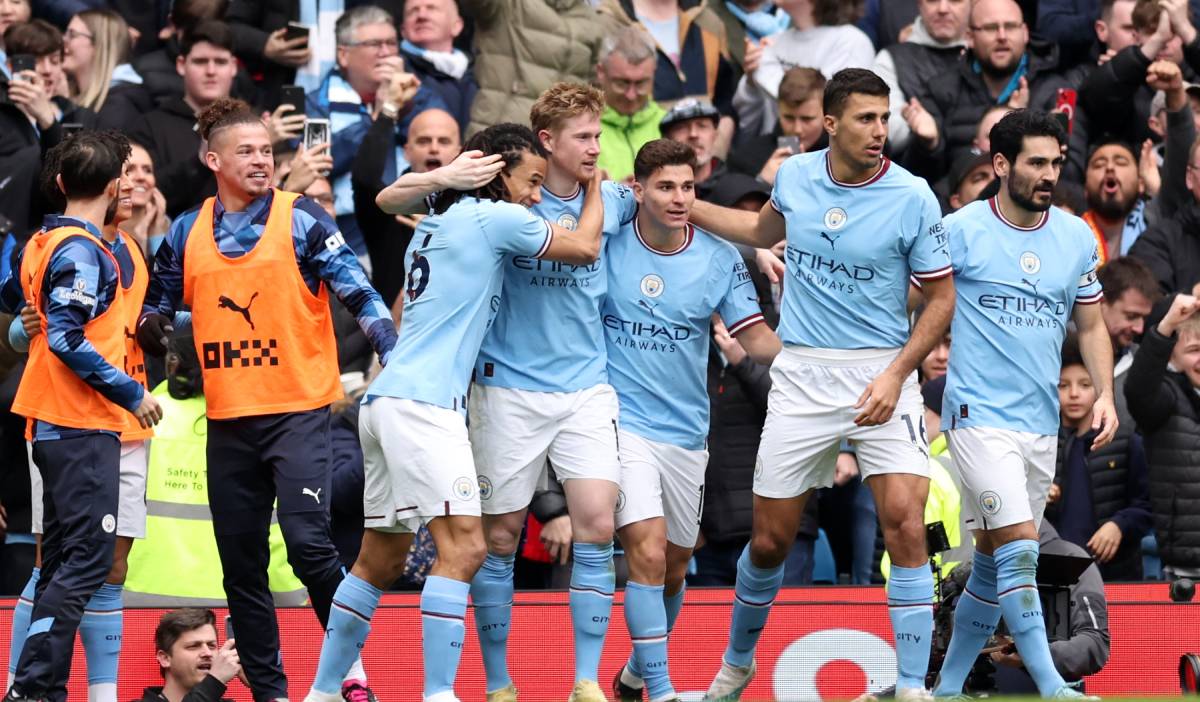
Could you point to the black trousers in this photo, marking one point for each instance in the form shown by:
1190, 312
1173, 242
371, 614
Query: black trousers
81, 478
251, 462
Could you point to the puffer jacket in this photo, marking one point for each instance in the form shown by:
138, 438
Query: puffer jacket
522, 47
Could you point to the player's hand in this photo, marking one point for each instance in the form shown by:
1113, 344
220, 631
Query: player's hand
1054, 494
285, 123
922, 124
1019, 100
556, 537
307, 166
1104, 420
770, 264
1105, 542
31, 321
845, 469
149, 412
879, 400
1182, 307
733, 351
1148, 170
153, 332
470, 170
1181, 24
771, 167
287, 52
226, 664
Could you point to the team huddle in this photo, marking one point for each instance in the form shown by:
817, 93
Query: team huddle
570, 318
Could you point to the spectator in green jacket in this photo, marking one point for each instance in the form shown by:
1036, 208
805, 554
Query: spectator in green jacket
626, 74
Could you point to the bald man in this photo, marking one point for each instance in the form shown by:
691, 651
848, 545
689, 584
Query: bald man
429, 30
433, 141
1002, 66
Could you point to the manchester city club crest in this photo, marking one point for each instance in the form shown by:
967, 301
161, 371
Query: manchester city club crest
566, 220
620, 500
464, 488
652, 285
989, 502
1030, 263
485, 487
835, 218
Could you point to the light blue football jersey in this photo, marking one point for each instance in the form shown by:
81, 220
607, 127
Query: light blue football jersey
455, 264
850, 252
657, 317
1016, 288
547, 335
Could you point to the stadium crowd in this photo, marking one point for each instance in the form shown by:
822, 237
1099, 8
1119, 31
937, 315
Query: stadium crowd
401, 85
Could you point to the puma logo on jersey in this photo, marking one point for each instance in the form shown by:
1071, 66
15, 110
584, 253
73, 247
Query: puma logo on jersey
831, 239
1032, 284
649, 307
226, 303
315, 495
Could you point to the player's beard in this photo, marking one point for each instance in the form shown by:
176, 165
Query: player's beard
1022, 191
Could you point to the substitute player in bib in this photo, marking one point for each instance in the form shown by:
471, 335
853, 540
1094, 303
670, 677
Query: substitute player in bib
77, 400
666, 279
255, 265
1023, 269
541, 392
417, 457
857, 226
101, 627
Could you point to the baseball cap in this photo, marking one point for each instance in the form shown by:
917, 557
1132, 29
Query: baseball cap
689, 108
734, 187
963, 165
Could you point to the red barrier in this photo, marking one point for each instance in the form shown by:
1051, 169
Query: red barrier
819, 643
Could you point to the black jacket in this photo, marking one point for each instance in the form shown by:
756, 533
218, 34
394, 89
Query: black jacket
386, 239
1167, 410
163, 82
1171, 249
751, 155
208, 690
22, 147
124, 106
958, 99
169, 133
458, 93
1117, 481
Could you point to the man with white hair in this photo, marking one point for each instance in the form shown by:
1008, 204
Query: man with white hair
429, 29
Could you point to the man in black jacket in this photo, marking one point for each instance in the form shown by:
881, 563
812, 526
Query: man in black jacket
169, 133
194, 669
1171, 248
429, 30
1163, 396
1001, 67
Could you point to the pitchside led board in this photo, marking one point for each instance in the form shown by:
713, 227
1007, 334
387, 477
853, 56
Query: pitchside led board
820, 643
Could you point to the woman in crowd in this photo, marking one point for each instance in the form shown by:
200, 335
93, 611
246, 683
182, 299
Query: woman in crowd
96, 60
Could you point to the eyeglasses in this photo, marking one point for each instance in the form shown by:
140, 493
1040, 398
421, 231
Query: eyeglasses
995, 27
642, 86
376, 44
71, 35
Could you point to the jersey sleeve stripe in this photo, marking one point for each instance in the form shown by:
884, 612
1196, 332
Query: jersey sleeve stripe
745, 324
546, 246
916, 282
933, 275
1090, 299
775, 206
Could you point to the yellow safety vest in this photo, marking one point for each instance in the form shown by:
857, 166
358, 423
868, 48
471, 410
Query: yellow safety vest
177, 564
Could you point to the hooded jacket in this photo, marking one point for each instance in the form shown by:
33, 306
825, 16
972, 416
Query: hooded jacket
907, 66
1171, 249
622, 135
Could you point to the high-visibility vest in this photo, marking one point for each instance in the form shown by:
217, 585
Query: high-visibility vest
177, 564
49, 390
264, 340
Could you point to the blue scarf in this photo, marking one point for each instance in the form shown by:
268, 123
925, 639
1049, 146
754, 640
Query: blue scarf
762, 22
1013, 83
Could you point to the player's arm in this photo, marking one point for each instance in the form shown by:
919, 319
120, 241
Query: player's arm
469, 171
1096, 348
326, 255
164, 294
879, 400
72, 285
581, 246
761, 230
760, 342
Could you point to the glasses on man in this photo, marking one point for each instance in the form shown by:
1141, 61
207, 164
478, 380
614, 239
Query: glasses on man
995, 27
376, 44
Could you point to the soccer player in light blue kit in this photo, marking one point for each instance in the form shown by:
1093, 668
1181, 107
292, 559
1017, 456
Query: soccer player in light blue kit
1022, 270
666, 279
417, 458
857, 226
541, 392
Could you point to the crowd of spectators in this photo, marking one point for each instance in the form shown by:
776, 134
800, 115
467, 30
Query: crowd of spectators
402, 83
